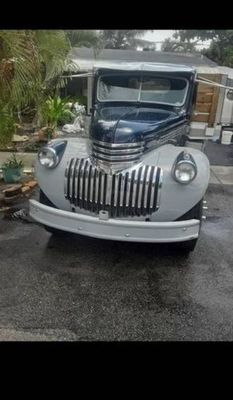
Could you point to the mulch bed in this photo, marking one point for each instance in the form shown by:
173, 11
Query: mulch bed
30, 146
12, 194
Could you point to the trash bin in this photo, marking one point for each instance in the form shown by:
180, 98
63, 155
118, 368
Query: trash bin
226, 137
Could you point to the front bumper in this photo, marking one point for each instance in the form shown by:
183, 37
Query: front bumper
114, 229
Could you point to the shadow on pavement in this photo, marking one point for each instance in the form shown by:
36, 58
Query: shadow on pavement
115, 250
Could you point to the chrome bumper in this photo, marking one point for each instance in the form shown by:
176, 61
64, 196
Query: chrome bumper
114, 229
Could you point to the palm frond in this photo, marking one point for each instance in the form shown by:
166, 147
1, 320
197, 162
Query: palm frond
80, 38
22, 57
54, 48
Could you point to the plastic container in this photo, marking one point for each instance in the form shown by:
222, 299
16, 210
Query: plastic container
226, 137
12, 175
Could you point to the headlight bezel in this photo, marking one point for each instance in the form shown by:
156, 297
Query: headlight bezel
56, 149
184, 158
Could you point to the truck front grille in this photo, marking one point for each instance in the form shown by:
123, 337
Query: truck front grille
130, 193
116, 152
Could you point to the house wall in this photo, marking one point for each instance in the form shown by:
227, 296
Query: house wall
207, 102
227, 113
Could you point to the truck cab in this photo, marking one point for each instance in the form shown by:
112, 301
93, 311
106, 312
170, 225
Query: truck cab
133, 178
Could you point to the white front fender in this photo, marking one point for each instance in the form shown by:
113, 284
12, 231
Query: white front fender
176, 199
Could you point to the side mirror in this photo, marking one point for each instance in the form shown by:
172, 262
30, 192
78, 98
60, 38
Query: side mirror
230, 94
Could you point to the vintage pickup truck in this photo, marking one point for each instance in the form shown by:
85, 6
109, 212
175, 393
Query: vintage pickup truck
134, 178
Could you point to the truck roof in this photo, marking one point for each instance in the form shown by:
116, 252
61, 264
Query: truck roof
153, 67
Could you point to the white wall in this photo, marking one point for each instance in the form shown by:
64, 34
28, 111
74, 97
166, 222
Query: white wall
227, 112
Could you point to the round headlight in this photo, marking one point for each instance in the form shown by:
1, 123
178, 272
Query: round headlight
48, 157
185, 171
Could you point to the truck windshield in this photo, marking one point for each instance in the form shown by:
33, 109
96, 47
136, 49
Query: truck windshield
149, 89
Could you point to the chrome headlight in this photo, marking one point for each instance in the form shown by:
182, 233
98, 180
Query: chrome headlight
185, 169
50, 156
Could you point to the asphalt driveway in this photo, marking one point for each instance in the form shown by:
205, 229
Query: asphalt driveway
77, 288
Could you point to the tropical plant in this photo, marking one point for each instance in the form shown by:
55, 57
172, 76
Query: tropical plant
12, 169
83, 38
31, 63
19, 67
54, 111
12, 163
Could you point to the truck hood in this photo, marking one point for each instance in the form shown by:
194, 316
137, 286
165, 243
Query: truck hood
132, 124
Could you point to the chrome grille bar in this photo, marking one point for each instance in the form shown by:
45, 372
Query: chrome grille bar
122, 192
91, 182
116, 190
106, 157
118, 145
147, 181
129, 182
71, 175
102, 178
128, 193
81, 173
116, 152
86, 177
96, 186
76, 178
153, 188
135, 184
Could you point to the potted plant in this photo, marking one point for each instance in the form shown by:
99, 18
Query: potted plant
12, 170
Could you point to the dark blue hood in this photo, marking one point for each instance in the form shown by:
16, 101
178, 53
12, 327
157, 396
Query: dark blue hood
132, 124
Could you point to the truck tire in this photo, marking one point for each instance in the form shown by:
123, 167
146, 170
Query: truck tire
44, 200
195, 213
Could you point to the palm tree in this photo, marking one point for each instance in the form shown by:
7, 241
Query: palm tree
19, 66
30, 64
19, 73
80, 38
86, 38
